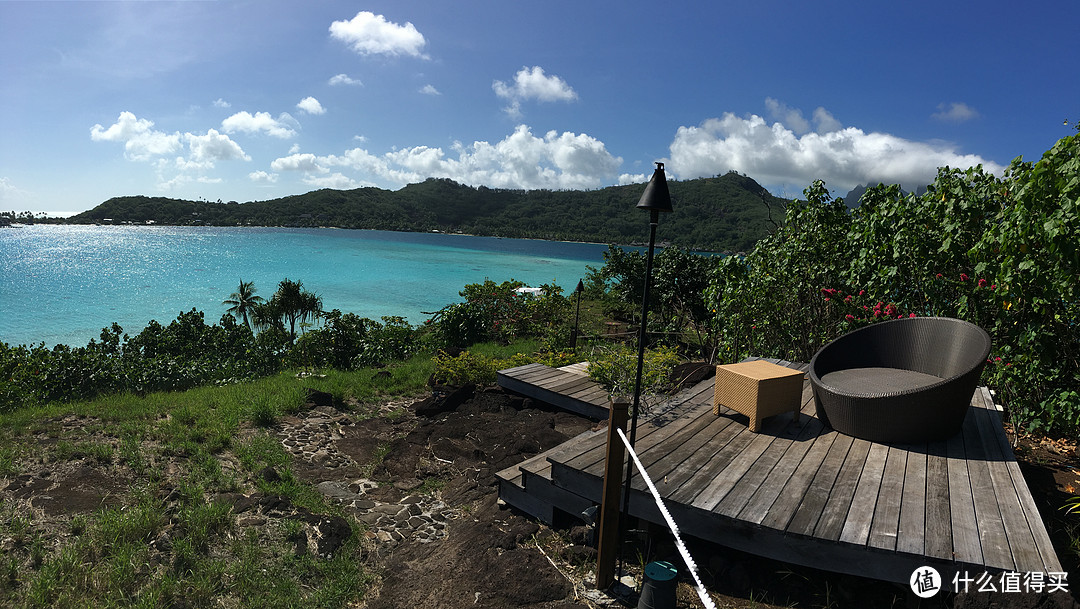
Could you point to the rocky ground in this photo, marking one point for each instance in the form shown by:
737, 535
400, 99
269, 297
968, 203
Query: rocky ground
436, 535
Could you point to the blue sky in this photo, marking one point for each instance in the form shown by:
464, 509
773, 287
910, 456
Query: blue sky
237, 100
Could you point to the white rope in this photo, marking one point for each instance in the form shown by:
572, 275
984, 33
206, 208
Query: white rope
689, 560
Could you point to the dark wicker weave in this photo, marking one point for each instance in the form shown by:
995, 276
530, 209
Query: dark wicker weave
906, 380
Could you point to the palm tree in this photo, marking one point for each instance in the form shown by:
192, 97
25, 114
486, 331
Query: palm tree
243, 301
292, 303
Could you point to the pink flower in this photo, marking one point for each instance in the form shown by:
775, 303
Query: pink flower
862, 292
963, 277
847, 298
850, 317
938, 275
996, 359
982, 283
827, 300
993, 287
911, 315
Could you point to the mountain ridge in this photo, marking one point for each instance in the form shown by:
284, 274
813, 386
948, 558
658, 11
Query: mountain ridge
729, 212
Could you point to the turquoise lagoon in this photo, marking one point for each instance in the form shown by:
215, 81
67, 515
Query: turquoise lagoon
63, 284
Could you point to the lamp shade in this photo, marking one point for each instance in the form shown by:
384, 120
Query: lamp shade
656, 196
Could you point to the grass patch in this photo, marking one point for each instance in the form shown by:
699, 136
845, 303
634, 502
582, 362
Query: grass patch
171, 540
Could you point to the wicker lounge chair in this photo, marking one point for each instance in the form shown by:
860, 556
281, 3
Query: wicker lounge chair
906, 380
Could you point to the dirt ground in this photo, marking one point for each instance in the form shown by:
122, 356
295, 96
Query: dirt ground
438, 537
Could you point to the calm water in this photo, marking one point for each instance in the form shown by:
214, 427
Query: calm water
62, 284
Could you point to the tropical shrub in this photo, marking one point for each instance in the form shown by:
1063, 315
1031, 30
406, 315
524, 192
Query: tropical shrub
615, 367
500, 313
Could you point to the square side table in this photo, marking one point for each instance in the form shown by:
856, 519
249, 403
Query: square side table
758, 389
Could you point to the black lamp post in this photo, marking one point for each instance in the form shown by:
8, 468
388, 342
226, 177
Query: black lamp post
655, 199
577, 315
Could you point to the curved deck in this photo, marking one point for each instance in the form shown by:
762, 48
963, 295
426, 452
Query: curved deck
804, 494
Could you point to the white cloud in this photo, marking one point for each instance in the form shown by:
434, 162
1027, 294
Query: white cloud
298, 162
793, 118
213, 147
294, 148
262, 177
260, 121
825, 121
141, 141
775, 155
532, 83
344, 79
521, 160
334, 180
9, 193
371, 34
311, 105
429, 90
955, 112
221, 103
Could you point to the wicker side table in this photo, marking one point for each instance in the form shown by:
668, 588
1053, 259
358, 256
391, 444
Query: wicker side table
758, 389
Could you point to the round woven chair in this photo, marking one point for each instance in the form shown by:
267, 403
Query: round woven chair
902, 381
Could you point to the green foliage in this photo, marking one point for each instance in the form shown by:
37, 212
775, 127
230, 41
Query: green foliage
1003, 253
479, 369
464, 368
186, 353
502, 313
676, 306
347, 342
727, 212
615, 367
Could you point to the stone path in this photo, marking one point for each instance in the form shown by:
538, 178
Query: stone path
419, 517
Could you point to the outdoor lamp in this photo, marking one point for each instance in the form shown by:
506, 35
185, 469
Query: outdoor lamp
655, 199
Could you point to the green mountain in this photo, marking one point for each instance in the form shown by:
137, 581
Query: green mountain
724, 213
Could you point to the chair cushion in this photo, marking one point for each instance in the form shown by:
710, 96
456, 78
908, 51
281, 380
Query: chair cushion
877, 381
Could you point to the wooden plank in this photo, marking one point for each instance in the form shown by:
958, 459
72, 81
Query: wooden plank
1023, 541
834, 515
722, 430
668, 453
739, 496
529, 373
653, 445
886, 524
861, 512
594, 411
715, 467
594, 454
1031, 513
794, 494
938, 535
810, 509
781, 480
718, 487
965, 533
992, 539
911, 529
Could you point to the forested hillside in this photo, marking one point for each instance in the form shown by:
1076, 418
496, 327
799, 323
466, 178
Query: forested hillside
724, 213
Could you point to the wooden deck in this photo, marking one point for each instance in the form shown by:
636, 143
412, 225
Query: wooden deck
568, 388
804, 494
